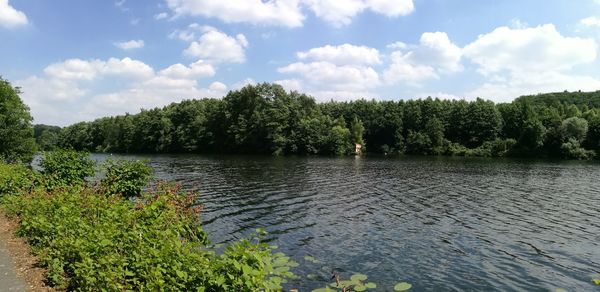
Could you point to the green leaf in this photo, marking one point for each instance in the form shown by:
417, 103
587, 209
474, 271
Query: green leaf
596, 281
326, 289
371, 285
358, 277
311, 259
402, 286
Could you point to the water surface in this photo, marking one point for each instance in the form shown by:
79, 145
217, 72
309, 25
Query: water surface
438, 223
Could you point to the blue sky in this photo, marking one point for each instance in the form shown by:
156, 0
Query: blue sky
80, 60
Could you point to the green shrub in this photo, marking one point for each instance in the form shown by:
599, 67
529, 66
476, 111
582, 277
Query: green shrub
573, 150
14, 178
66, 167
90, 241
126, 177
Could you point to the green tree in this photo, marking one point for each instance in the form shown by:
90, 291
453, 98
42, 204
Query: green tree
356, 131
574, 128
16, 132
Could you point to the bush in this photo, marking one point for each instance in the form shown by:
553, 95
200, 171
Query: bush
66, 167
573, 150
15, 178
93, 242
126, 177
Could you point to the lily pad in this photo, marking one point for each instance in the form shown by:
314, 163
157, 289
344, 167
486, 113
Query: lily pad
360, 288
358, 277
311, 259
326, 289
596, 281
371, 285
402, 286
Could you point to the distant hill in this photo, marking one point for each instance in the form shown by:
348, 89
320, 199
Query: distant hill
578, 98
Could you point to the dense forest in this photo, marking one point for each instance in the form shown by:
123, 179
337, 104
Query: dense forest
265, 119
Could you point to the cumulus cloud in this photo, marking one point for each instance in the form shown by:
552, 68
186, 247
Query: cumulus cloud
274, 12
11, 17
76, 90
341, 12
343, 54
288, 13
530, 60
334, 76
590, 21
334, 71
213, 45
434, 55
198, 69
540, 48
130, 45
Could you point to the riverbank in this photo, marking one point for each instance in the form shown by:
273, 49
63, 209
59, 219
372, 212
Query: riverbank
113, 236
19, 269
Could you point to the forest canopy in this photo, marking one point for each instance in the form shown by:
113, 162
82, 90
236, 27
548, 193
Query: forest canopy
266, 119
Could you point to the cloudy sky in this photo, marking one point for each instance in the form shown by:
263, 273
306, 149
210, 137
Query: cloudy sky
79, 60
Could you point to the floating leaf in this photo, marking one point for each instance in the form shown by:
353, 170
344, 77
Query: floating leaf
371, 285
358, 277
360, 288
402, 286
311, 259
326, 289
311, 276
596, 281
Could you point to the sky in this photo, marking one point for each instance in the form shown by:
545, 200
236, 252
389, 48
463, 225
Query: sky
81, 60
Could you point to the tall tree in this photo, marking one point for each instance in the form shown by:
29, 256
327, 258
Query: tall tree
16, 131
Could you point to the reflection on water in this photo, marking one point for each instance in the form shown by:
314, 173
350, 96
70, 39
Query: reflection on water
438, 223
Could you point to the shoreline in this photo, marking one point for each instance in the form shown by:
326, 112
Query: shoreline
24, 263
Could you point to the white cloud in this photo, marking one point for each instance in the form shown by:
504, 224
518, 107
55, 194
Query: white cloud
130, 45
274, 12
10, 17
332, 76
196, 70
402, 69
217, 86
161, 15
590, 21
436, 50
341, 12
412, 64
76, 90
343, 54
288, 13
216, 46
530, 60
536, 49
397, 46
290, 84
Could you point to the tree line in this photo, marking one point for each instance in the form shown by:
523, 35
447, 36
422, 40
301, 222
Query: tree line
266, 119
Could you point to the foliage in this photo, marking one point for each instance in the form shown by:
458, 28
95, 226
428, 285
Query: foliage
16, 133
265, 119
66, 167
46, 137
573, 150
574, 128
91, 241
125, 177
15, 178
402, 286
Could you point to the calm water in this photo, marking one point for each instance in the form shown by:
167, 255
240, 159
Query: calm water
438, 223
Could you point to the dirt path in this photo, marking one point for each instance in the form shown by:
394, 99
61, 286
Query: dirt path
18, 270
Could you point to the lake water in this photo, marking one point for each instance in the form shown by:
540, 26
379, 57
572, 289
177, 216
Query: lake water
440, 224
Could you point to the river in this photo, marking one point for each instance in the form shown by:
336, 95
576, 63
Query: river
439, 223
